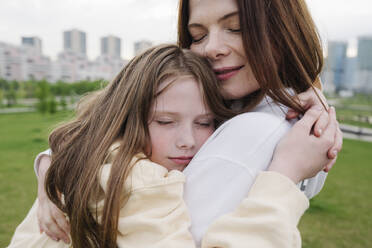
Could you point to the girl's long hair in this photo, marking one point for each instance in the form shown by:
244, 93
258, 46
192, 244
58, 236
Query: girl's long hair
281, 43
118, 113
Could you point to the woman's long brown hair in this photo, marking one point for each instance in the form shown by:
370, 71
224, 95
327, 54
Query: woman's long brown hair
281, 43
118, 113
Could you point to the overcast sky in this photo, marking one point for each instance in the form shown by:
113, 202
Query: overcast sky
154, 20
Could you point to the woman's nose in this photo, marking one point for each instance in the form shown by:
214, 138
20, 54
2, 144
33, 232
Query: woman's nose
215, 47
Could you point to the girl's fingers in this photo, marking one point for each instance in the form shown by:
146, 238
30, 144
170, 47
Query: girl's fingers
336, 148
310, 99
291, 114
329, 165
309, 118
321, 124
329, 134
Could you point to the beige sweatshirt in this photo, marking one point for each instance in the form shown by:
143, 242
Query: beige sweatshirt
155, 214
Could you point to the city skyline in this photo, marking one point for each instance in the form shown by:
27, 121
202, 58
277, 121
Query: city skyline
152, 20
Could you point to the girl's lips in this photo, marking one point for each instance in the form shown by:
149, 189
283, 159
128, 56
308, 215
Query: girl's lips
227, 72
181, 160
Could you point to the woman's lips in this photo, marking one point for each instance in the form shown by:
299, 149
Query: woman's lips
225, 73
181, 160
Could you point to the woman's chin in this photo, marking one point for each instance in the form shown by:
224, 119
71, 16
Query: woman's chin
235, 93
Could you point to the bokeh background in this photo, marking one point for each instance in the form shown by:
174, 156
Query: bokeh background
52, 52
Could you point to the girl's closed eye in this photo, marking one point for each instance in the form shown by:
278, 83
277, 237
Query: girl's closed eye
204, 123
164, 121
160, 122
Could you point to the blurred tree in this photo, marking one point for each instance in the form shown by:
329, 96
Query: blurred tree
11, 97
1, 97
52, 104
42, 93
63, 102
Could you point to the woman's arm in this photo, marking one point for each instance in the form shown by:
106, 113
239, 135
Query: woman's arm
51, 219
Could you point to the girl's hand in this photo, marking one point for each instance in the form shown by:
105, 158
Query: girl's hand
51, 219
300, 154
308, 100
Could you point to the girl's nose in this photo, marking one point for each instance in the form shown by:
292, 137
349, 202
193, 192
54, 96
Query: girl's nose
185, 138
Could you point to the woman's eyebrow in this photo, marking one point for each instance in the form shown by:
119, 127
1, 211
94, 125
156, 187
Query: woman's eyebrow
227, 16
223, 18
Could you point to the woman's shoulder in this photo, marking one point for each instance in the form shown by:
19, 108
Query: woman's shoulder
255, 123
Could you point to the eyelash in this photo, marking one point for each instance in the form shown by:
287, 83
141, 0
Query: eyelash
197, 40
230, 29
235, 30
164, 122
206, 124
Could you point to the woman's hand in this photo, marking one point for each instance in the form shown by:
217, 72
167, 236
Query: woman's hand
300, 154
51, 219
308, 100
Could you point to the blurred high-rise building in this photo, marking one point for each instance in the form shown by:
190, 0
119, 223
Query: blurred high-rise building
336, 62
364, 67
111, 46
33, 43
24, 62
350, 73
75, 41
327, 78
142, 45
365, 53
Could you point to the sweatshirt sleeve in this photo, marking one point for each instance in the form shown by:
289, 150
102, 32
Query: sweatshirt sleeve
155, 214
267, 217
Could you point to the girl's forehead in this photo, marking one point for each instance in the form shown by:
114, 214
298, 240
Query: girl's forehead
170, 81
183, 95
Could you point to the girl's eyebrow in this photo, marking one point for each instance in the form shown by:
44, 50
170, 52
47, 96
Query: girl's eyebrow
223, 18
209, 114
164, 113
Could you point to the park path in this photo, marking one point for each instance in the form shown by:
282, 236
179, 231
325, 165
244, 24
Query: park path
358, 133
16, 110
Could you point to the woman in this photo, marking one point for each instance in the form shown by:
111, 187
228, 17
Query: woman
258, 48
264, 52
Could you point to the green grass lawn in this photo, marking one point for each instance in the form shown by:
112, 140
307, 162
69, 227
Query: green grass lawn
338, 217
22, 136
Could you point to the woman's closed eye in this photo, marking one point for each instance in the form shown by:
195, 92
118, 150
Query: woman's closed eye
235, 30
197, 38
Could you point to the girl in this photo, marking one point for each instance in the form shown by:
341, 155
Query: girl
117, 164
155, 109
